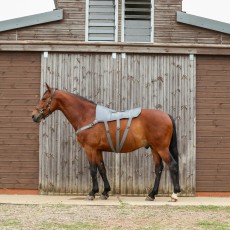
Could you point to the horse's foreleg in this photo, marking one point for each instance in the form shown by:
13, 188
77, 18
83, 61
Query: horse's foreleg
92, 156
95, 189
96, 162
102, 171
158, 171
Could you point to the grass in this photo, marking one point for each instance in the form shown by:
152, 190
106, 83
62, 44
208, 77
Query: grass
212, 217
150, 228
204, 208
214, 225
212, 208
10, 223
73, 226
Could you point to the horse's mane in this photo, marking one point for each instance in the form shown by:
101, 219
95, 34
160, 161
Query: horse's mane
85, 99
77, 95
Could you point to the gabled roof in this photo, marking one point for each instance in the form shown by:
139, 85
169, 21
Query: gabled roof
32, 20
202, 22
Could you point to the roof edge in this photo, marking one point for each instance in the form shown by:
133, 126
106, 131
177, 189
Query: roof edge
56, 4
202, 22
31, 20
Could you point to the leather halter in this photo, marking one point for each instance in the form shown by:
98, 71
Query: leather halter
42, 110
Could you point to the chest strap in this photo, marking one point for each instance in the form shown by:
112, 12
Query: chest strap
90, 125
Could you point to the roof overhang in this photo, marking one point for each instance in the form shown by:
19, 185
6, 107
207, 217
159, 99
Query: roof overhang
202, 22
32, 20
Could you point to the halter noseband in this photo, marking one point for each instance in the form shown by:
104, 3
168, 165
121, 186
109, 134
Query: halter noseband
42, 110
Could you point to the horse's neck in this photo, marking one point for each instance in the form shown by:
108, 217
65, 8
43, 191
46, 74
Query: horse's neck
78, 111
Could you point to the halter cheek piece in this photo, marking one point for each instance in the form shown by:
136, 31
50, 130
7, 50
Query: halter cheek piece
42, 110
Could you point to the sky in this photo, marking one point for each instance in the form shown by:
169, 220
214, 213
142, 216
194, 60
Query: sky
213, 9
18, 8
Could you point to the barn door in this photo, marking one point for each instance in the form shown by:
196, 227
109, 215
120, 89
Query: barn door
164, 82
63, 165
120, 82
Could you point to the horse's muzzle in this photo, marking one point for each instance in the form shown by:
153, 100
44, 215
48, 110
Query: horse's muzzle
36, 118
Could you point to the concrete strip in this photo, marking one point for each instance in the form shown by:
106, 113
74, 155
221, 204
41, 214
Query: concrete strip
112, 201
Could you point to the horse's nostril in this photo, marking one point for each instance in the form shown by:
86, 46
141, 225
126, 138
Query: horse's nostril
34, 118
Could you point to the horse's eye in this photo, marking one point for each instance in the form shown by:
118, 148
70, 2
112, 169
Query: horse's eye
43, 99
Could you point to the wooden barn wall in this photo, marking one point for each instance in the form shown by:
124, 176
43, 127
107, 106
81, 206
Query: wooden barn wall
213, 123
72, 27
168, 30
20, 74
150, 81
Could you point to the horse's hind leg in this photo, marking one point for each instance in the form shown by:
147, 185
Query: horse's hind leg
158, 171
174, 162
174, 171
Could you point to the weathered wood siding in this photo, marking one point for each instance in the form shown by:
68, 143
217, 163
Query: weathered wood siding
150, 81
72, 27
167, 29
19, 91
213, 123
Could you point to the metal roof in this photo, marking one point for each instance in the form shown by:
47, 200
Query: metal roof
35, 19
202, 22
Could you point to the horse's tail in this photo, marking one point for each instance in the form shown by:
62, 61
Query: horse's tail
173, 144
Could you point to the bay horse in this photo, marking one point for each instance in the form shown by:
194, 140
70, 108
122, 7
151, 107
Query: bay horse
152, 128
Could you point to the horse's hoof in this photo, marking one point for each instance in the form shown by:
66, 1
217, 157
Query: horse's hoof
148, 198
174, 198
104, 197
90, 197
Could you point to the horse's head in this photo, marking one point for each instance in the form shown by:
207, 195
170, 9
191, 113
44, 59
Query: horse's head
45, 106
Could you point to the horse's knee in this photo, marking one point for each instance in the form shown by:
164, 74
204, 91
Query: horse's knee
93, 170
173, 166
102, 169
159, 168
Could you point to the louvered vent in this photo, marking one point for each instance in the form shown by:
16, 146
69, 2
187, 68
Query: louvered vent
101, 20
137, 21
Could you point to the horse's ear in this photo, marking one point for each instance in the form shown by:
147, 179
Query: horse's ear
47, 86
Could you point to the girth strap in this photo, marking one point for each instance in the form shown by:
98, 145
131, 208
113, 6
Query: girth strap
118, 144
118, 136
108, 136
125, 133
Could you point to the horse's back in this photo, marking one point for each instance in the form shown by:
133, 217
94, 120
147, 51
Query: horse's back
150, 128
156, 117
157, 126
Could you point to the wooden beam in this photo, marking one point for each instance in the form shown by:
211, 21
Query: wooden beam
100, 47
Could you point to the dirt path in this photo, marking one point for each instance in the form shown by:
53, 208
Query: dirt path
122, 217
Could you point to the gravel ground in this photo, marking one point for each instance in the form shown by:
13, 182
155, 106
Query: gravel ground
124, 216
